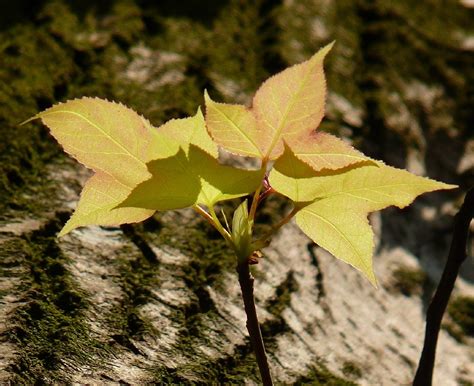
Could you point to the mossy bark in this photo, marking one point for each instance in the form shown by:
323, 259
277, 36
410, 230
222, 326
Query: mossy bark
145, 303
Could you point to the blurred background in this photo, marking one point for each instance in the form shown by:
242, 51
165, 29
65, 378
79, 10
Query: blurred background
139, 304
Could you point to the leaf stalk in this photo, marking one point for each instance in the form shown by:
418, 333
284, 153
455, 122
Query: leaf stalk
255, 200
214, 221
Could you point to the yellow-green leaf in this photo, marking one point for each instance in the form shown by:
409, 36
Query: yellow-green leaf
116, 143
233, 127
291, 103
341, 227
106, 136
188, 179
220, 182
100, 195
191, 130
172, 185
242, 232
335, 203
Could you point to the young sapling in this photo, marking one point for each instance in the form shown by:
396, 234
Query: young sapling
140, 169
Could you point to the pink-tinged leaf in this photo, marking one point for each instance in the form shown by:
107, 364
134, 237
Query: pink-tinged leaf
291, 103
233, 127
324, 151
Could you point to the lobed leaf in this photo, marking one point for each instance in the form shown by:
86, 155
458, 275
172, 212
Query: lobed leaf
116, 143
324, 151
286, 109
335, 204
291, 103
188, 179
234, 127
191, 130
341, 227
100, 195
107, 136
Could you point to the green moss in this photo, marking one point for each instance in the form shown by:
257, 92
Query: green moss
351, 370
70, 49
320, 375
409, 281
464, 382
50, 328
461, 310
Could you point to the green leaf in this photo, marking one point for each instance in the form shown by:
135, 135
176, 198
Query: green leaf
172, 185
100, 195
107, 136
219, 182
341, 227
116, 143
242, 232
196, 178
187, 131
335, 204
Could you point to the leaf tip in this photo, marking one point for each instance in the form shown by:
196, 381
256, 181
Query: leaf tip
321, 54
372, 279
68, 227
330, 45
199, 112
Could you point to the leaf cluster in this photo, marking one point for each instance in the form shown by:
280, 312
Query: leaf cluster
140, 169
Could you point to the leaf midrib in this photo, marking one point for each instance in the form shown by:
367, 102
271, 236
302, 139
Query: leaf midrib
97, 127
358, 255
239, 130
369, 190
287, 110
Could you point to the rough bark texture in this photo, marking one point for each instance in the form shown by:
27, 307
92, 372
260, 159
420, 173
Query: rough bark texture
159, 302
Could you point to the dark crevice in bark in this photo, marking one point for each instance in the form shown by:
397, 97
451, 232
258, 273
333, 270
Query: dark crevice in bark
276, 305
319, 277
137, 239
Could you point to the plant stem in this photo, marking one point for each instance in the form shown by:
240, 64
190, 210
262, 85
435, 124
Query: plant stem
246, 281
253, 207
437, 307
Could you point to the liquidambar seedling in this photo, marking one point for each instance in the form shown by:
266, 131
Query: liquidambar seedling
140, 169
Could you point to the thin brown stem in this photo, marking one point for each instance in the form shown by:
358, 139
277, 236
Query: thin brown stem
437, 307
253, 207
246, 281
